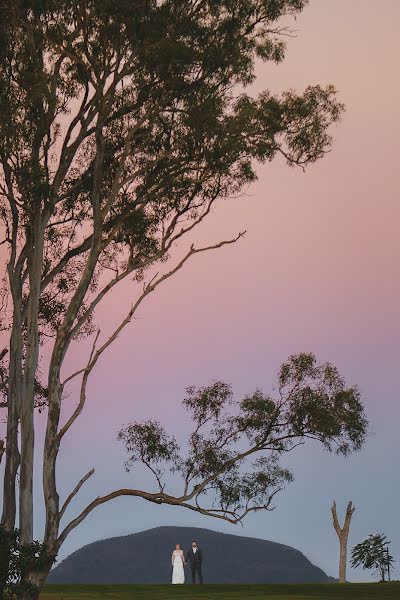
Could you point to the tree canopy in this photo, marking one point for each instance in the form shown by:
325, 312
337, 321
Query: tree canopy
231, 462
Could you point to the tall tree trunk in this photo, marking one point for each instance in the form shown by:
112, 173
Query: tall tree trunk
343, 535
64, 335
12, 454
50, 453
13, 459
37, 579
13, 407
35, 264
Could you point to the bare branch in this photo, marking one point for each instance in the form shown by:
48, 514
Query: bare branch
82, 397
146, 291
74, 493
335, 518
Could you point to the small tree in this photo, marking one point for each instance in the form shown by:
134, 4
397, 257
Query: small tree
343, 535
373, 554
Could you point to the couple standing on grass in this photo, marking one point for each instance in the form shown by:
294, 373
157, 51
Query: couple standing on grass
194, 556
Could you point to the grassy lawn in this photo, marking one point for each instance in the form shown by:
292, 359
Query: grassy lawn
363, 591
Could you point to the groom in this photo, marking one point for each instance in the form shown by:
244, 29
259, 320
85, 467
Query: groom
195, 556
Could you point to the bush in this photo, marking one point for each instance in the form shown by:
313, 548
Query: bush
17, 561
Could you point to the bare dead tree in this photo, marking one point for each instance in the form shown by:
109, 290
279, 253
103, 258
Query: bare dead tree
343, 535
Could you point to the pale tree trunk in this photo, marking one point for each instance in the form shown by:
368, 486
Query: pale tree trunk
26, 508
343, 535
35, 263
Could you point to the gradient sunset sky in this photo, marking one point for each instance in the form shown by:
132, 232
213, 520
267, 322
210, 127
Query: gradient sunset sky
318, 270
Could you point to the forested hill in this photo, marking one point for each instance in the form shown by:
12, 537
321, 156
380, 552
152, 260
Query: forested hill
145, 557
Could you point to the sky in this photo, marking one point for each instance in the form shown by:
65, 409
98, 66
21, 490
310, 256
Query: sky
318, 270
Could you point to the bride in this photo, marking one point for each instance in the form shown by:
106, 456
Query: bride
178, 560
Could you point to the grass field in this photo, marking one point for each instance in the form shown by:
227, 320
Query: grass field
363, 591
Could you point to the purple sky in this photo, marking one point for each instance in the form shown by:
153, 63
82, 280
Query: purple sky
317, 271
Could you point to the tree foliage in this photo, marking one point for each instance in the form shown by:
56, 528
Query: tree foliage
372, 554
229, 465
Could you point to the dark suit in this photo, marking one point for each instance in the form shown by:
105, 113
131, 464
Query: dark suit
196, 559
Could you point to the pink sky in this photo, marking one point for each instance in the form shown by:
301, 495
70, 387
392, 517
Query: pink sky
317, 271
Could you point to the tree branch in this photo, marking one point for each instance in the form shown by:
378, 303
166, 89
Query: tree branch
335, 519
74, 493
150, 287
162, 498
82, 397
156, 498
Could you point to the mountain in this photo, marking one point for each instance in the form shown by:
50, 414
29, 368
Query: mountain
145, 558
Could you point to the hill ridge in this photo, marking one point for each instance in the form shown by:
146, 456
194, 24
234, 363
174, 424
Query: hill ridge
144, 557
194, 528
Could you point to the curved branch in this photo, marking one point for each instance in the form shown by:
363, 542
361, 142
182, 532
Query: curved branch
161, 498
74, 493
157, 498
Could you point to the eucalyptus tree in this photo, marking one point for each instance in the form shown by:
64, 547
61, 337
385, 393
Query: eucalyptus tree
230, 464
121, 125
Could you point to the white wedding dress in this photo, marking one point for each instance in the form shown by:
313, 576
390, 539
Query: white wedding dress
178, 573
